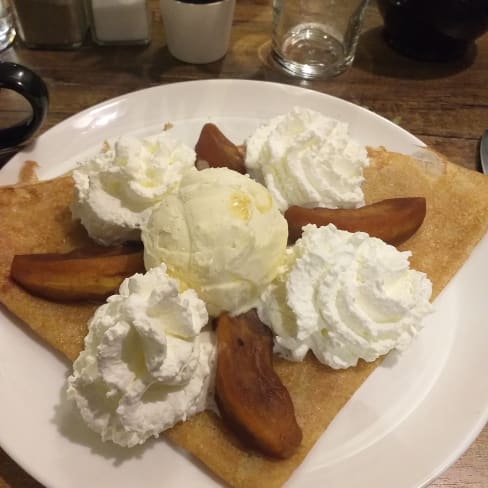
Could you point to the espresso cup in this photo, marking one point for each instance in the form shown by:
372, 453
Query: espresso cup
197, 31
31, 86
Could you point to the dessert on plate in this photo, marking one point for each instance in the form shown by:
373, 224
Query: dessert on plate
181, 282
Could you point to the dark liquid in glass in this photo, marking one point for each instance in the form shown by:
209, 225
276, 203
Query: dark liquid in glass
433, 30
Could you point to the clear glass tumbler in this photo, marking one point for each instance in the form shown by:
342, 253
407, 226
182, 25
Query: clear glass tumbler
316, 38
7, 30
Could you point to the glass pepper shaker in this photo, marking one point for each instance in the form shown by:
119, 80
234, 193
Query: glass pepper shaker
120, 21
50, 24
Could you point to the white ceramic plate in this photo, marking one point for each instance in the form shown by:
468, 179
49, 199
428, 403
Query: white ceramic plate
408, 422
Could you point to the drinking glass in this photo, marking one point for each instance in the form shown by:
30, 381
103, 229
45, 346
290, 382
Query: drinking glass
316, 38
7, 30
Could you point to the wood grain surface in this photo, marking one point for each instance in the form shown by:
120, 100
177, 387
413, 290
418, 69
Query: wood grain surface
445, 105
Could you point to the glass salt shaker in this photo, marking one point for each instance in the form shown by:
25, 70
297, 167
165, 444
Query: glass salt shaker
121, 22
50, 24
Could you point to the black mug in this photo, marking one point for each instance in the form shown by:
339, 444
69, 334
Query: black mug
433, 30
31, 86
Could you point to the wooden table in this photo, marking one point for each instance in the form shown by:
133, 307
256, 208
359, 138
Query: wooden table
446, 105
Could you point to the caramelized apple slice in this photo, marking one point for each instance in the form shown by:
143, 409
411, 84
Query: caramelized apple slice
393, 220
83, 274
214, 148
250, 395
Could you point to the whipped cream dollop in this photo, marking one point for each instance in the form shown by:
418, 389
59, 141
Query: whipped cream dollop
220, 234
146, 364
116, 191
305, 158
345, 296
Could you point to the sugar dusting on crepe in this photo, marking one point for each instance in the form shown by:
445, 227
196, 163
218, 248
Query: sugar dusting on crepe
318, 392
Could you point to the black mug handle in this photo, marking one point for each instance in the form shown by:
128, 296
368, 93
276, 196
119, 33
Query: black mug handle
24, 81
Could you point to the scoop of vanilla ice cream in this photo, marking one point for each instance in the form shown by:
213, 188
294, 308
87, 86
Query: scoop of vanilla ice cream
345, 296
220, 234
145, 365
116, 191
305, 158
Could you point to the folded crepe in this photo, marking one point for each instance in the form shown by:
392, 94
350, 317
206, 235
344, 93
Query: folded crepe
35, 218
